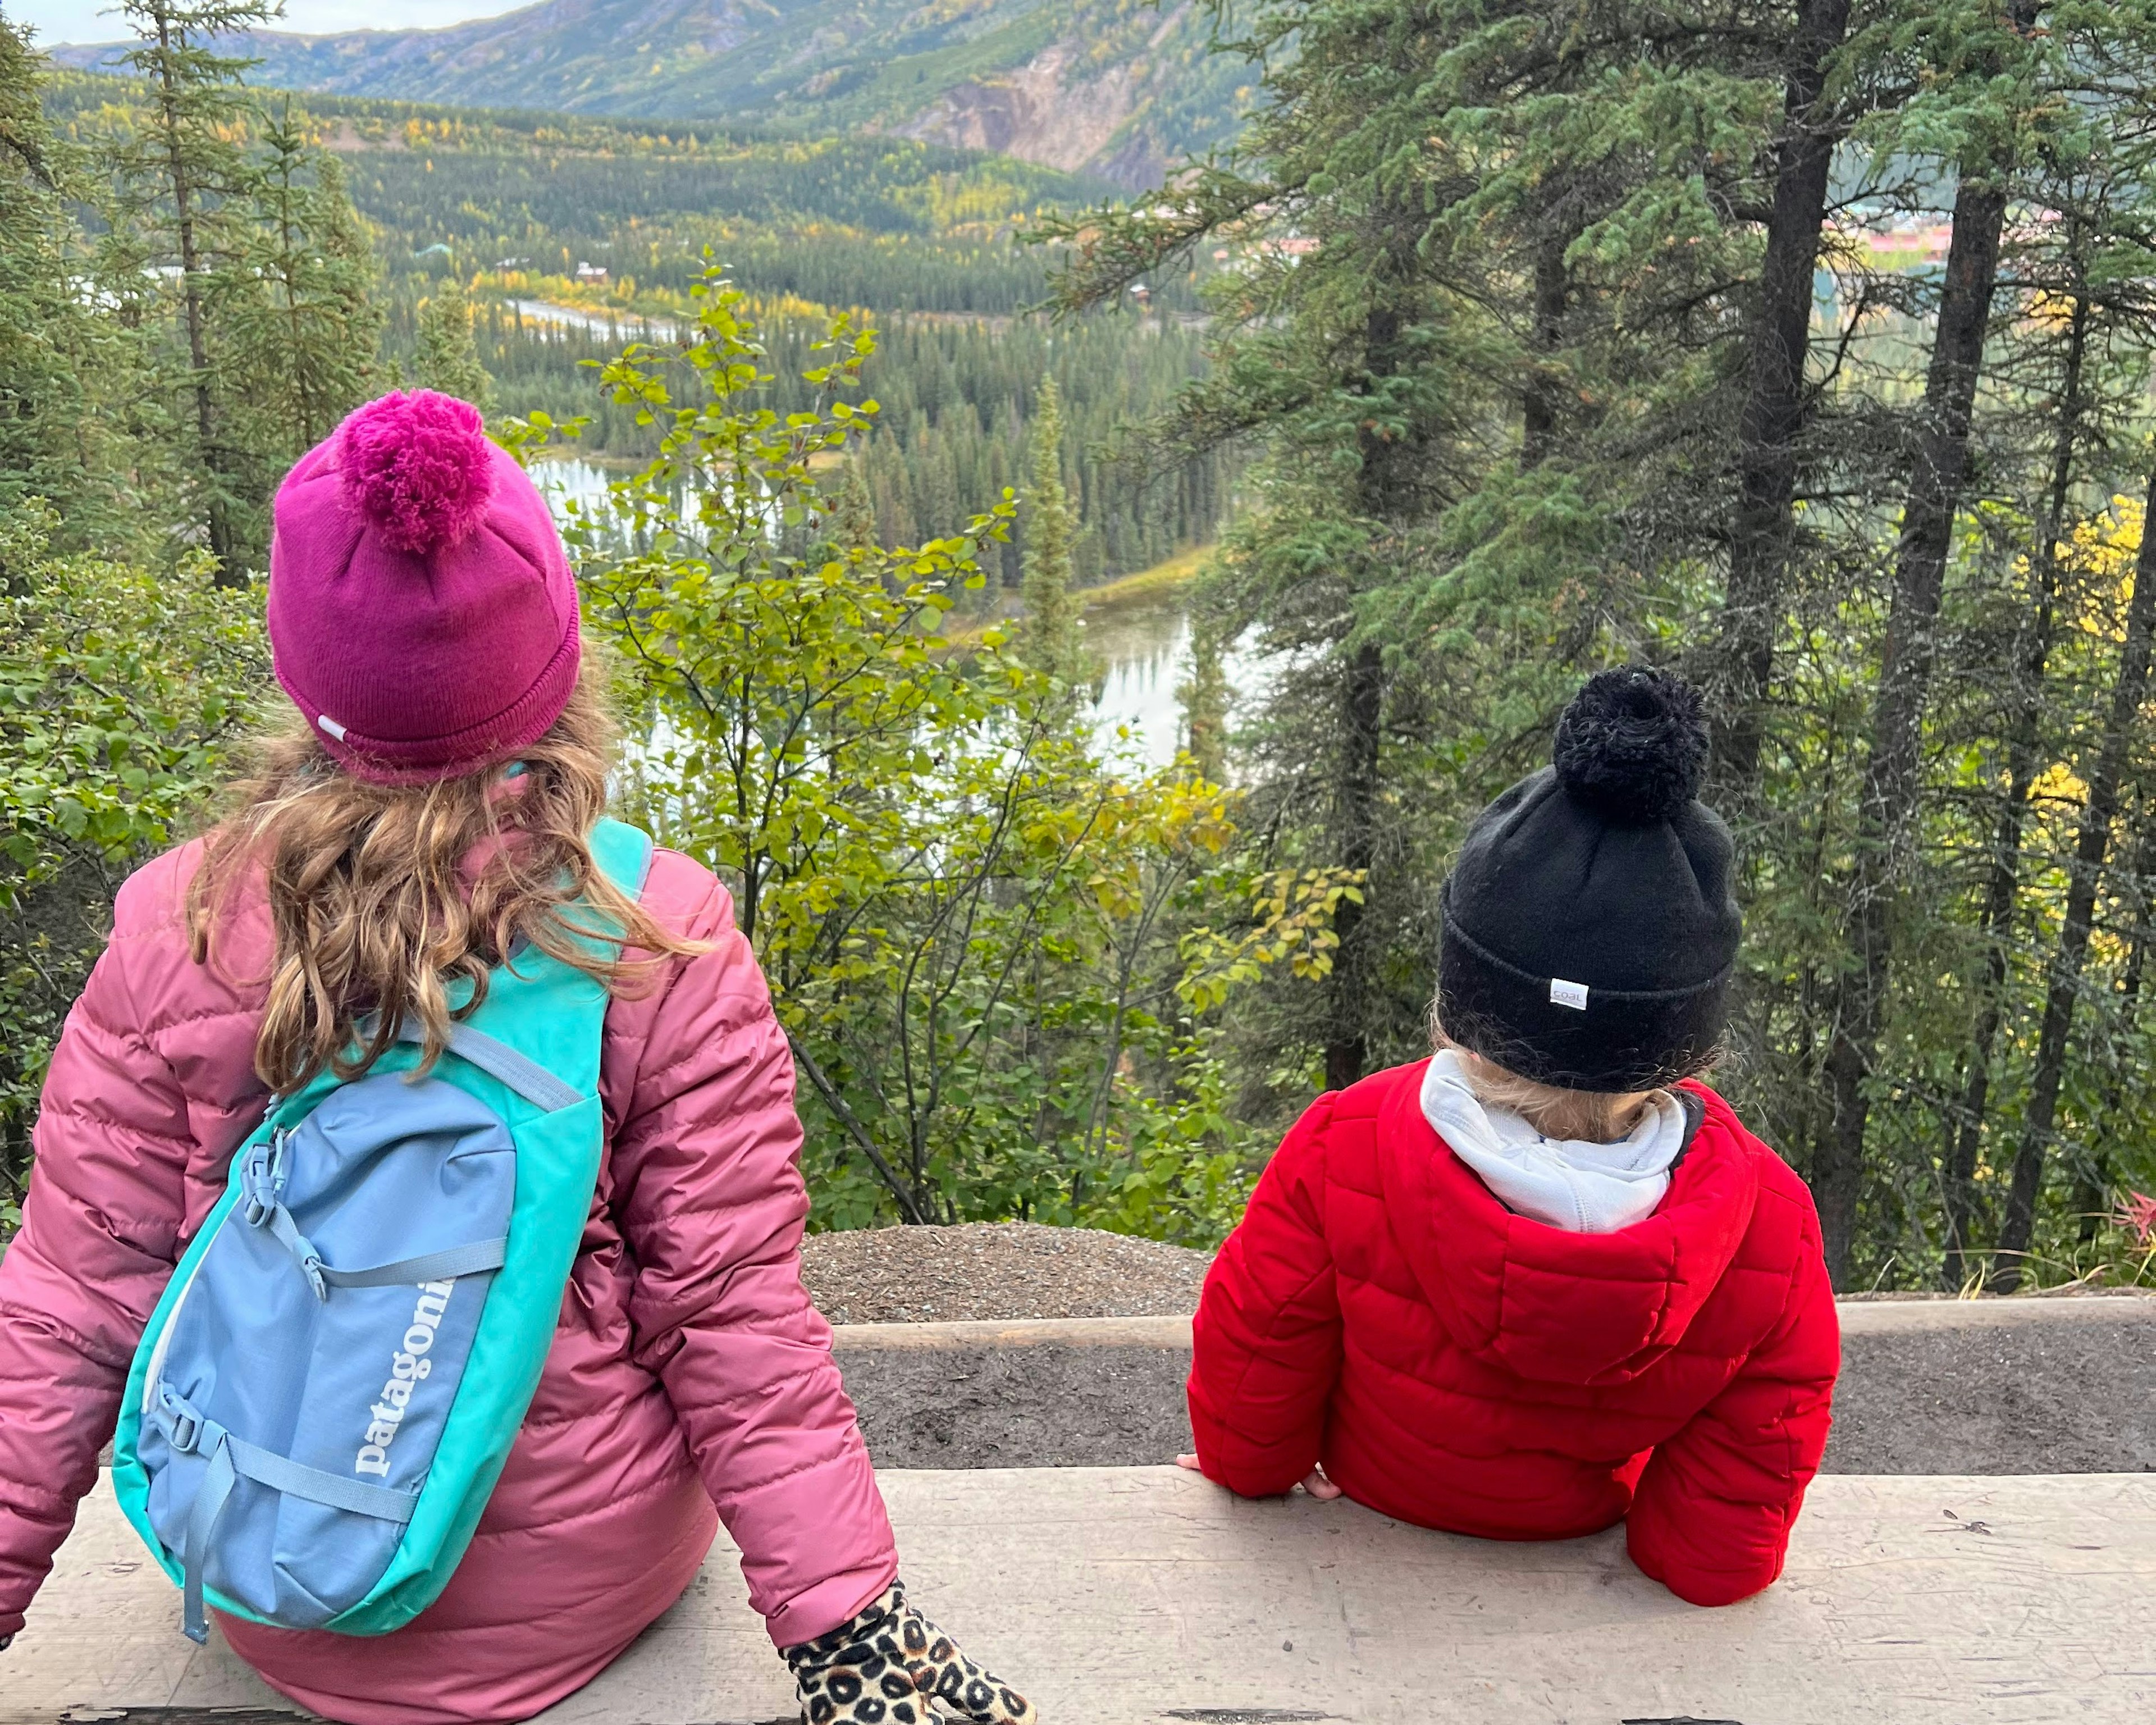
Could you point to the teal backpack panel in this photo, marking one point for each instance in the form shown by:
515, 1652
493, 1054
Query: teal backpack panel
262, 1454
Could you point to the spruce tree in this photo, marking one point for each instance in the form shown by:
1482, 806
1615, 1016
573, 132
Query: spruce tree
37, 386
1052, 636
301, 318
182, 177
73, 406
1757, 594
853, 520
446, 357
2116, 745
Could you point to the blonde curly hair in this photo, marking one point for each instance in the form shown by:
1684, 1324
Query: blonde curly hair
383, 899
1590, 1116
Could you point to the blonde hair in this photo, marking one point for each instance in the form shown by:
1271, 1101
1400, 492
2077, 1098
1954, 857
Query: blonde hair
1592, 1116
381, 899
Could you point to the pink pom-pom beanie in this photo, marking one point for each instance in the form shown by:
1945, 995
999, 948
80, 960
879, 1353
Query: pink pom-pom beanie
422, 611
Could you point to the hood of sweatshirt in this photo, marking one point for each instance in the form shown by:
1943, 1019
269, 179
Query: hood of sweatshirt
1552, 1305
1574, 1183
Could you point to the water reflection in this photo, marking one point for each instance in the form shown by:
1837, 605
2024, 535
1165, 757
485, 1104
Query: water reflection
1144, 656
585, 482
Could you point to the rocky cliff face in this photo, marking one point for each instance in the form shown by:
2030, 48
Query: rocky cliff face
1115, 87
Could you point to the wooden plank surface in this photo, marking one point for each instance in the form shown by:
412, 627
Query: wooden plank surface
1137, 1596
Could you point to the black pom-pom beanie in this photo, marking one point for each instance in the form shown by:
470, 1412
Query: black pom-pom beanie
1589, 930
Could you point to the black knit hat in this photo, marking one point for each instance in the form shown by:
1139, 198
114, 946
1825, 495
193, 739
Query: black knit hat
1590, 929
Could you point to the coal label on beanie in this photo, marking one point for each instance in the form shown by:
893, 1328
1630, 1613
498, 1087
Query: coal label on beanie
1565, 993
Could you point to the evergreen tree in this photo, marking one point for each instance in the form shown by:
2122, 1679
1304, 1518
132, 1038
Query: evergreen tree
1937, 476
301, 319
37, 383
1052, 638
446, 357
854, 520
70, 402
181, 178
1777, 405
2063, 974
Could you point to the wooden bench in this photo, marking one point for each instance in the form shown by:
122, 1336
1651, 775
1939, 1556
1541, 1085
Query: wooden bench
1144, 1596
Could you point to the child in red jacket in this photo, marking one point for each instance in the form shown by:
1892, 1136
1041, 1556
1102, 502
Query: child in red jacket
1545, 1281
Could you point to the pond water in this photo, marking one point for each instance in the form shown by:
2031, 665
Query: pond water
1143, 648
1144, 654
585, 481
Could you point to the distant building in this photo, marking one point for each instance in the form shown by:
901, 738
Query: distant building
594, 274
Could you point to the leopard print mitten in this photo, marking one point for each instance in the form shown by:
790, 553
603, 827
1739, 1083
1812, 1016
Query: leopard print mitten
890, 1666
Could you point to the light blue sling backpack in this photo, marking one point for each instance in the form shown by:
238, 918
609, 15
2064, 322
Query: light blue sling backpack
325, 1395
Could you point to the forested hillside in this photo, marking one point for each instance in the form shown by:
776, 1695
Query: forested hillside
1121, 88
504, 208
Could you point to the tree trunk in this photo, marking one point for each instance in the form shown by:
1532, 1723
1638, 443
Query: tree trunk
2093, 1187
1938, 476
2005, 886
1347, 1048
193, 310
1379, 499
1773, 413
2083, 876
1538, 408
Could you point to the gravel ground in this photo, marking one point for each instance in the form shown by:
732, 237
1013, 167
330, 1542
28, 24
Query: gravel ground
999, 1271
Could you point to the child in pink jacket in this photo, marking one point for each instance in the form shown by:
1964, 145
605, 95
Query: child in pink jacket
436, 790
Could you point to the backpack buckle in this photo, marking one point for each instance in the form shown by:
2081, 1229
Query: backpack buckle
261, 1176
182, 1425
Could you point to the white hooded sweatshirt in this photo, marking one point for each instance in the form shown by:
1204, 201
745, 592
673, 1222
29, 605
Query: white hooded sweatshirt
1570, 1184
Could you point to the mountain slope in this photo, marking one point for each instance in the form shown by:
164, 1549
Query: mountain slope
1116, 87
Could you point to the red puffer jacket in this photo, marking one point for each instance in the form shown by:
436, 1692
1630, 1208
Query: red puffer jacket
1460, 1367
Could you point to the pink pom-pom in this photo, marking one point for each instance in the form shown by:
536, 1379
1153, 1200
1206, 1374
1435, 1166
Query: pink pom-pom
418, 467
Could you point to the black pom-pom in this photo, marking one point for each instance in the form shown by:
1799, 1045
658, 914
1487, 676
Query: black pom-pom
1633, 744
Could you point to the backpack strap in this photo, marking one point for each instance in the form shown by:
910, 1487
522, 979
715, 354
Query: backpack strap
230, 1459
623, 853
527, 1078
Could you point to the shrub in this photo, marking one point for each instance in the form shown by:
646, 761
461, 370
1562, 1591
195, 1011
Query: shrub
119, 691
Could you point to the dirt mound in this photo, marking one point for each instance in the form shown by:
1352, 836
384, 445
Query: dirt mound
999, 1271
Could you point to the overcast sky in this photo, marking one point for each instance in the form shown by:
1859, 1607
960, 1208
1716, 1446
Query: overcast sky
79, 20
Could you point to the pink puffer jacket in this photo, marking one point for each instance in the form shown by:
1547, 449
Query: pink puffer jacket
689, 1369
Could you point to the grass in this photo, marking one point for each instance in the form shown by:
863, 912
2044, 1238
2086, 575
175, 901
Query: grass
1157, 582
1146, 586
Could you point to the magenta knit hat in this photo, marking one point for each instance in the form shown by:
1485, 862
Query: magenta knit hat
422, 613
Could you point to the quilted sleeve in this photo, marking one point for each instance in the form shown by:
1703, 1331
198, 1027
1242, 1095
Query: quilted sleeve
100, 1236
1712, 1516
1267, 1336
708, 1177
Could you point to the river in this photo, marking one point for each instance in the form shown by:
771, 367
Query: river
1143, 646
599, 323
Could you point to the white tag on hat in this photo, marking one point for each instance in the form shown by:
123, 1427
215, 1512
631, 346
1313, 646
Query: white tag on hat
1565, 993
